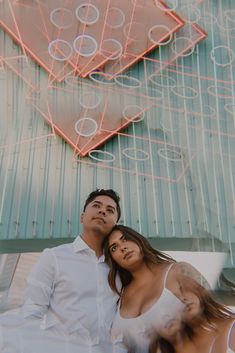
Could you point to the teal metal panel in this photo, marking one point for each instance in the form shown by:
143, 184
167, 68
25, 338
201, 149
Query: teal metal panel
174, 170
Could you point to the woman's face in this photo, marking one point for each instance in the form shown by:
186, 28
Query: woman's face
193, 307
171, 327
124, 252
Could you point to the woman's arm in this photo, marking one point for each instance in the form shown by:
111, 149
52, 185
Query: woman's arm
186, 269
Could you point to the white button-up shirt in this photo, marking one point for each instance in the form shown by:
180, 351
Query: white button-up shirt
68, 290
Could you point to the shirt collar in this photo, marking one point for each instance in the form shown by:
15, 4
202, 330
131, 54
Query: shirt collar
80, 245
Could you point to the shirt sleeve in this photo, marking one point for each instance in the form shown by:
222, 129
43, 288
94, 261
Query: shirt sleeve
40, 285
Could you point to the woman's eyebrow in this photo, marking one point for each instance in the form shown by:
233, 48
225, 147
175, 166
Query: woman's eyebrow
121, 238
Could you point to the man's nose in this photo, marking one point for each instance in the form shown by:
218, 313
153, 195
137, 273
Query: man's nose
102, 211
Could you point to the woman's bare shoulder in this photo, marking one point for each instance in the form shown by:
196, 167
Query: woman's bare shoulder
183, 268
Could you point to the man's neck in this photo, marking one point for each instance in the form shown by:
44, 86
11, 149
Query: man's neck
94, 241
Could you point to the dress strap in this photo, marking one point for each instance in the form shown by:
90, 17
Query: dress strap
166, 273
229, 334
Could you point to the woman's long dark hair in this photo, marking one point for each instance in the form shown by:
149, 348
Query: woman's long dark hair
211, 308
151, 256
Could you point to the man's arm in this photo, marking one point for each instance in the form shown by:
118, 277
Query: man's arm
40, 285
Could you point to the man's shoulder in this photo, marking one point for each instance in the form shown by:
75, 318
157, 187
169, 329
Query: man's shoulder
66, 247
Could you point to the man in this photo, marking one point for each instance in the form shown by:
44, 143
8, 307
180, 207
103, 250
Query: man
69, 305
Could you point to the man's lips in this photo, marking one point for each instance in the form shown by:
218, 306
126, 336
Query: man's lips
99, 219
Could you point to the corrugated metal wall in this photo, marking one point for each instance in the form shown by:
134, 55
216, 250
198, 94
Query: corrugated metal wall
174, 170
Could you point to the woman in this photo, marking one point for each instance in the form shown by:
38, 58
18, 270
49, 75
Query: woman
205, 326
150, 286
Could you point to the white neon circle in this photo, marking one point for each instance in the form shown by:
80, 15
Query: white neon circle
167, 7
230, 14
129, 150
101, 78
87, 13
60, 50
111, 49
85, 45
133, 113
127, 81
187, 51
61, 18
215, 91
115, 17
229, 55
73, 81
80, 124
220, 22
89, 100
104, 153
139, 3
227, 107
162, 42
188, 11
192, 93
170, 81
170, 154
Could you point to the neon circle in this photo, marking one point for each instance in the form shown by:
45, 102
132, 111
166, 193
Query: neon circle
128, 153
111, 49
61, 18
221, 24
127, 81
192, 11
177, 41
104, 153
115, 17
156, 27
162, 77
192, 93
139, 3
87, 13
85, 45
230, 14
215, 91
101, 78
133, 113
170, 154
227, 108
73, 81
80, 123
229, 55
167, 8
60, 50
89, 100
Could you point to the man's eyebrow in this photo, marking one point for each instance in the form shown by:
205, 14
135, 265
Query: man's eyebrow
101, 203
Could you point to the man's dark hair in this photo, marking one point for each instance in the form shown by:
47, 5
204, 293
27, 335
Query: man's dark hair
107, 192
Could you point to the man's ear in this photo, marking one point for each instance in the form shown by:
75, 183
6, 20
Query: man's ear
81, 217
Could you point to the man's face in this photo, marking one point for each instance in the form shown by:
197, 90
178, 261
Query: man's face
100, 215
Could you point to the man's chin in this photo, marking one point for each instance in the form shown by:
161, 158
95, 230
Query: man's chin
99, 230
